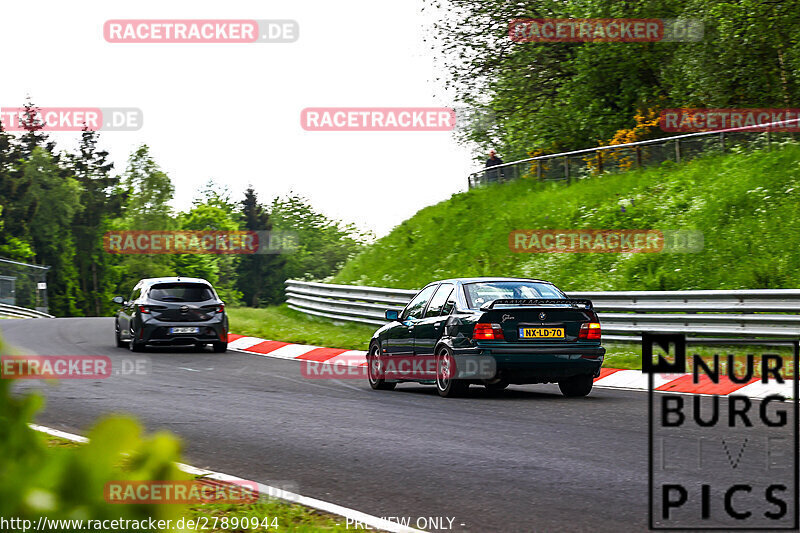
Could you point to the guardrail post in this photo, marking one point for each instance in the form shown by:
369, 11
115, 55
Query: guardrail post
566, 168
677, 150
599, 162
638, 157
539, 169
769, 140
722, 140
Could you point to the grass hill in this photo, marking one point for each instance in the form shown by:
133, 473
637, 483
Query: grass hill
746, 204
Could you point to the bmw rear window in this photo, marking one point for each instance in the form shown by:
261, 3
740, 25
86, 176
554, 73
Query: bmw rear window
181, 292
481, 293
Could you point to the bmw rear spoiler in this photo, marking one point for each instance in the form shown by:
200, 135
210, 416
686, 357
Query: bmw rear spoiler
538, 301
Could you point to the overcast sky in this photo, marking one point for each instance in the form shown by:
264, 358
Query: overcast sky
232, 111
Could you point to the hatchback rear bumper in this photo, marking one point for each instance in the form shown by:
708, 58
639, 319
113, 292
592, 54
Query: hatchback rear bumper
157, 332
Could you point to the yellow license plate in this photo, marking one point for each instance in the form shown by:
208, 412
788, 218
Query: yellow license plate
541, 333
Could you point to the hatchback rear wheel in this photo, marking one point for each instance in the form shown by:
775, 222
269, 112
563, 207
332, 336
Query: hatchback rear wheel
120, 343
220, 347
136, 346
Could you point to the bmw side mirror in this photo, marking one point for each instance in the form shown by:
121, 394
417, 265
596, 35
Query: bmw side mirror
118, 300
392, 314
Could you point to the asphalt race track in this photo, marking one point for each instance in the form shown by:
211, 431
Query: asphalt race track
523, 460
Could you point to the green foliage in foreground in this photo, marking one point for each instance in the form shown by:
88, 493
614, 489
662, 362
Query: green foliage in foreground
68, 483
45, 476
287, 325
746, 205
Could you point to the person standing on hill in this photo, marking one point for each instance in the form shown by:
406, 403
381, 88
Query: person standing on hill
495, 174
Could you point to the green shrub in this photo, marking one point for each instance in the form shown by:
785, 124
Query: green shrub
68, 483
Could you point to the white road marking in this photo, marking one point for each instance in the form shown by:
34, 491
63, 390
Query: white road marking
244, 342
290, 351
762, 390
633, 379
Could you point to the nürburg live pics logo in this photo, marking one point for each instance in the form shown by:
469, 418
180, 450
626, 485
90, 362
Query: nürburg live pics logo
723, 439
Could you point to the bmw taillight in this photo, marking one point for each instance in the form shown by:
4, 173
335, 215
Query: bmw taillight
590, 331
487, 332
144, 310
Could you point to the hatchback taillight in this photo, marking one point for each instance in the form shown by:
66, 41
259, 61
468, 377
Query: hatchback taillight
144, 310
484, 332
590, 331
221, 308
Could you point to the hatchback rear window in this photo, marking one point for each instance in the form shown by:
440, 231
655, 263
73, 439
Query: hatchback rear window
181, 292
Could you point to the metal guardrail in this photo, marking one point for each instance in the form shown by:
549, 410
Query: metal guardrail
624, 315
21, 312
345, 302
577, 164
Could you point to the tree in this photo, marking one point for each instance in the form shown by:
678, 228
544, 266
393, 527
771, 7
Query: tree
260, 276
15, 199
34, 133
566, 96
323, 244
212, 210
56, 201
147, 191
12, 247
101, 201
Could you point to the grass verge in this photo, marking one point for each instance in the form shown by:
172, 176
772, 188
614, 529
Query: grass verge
283, 324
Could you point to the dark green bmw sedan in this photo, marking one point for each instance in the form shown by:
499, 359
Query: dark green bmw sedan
488, 331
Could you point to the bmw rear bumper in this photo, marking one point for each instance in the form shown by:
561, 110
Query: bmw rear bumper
541, 363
